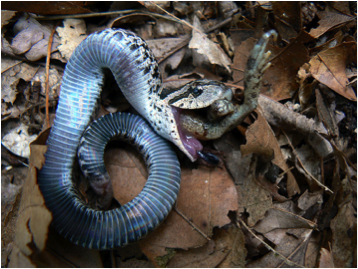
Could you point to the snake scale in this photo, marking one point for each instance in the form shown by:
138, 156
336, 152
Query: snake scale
136, 72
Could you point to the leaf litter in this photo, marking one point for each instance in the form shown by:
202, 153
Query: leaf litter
236, 215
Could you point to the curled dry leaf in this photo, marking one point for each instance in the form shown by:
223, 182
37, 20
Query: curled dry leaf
261, 140
329, 68
204, 46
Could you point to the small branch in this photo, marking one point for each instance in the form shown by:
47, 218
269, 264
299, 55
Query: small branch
303, 167
192, 224
277, 254
49, 46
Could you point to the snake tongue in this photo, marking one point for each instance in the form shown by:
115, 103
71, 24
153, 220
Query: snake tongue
190, 143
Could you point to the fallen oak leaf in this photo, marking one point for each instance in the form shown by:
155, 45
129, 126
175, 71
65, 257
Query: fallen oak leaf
329, 68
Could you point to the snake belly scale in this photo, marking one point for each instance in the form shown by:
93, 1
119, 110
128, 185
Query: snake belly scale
136, 73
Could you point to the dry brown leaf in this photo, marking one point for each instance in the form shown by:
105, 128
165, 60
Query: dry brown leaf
279, 81
237, 255
208, 48
326, 114
329, 21
261, 140
60, 252
289, 243
35, 243
329, 68
281, 219
71, 35
288, 18
161, 47
34, 218
308, 199
326, 259
6, 15
227, 249
206, 196
344, 228
253, 198
288, 246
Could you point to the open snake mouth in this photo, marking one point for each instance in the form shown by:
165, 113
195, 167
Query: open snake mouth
191, 144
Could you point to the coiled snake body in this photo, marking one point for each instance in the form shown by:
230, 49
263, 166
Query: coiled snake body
136, 73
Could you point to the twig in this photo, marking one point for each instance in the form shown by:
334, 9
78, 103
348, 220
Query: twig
49, 46
291, 263
298, 247
176, 18
9, 67
192, 224
303, 167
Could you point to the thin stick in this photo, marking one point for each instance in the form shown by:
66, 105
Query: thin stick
303, 167
270, 248
49, 46
192, 224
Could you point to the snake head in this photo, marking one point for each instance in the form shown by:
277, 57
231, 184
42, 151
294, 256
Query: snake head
196, 94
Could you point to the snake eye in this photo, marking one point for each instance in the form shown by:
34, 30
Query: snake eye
197, 91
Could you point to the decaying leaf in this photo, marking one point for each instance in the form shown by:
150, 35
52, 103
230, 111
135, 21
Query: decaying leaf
71, 35
204, 46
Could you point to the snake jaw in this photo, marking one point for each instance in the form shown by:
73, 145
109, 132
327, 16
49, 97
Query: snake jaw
186, 143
